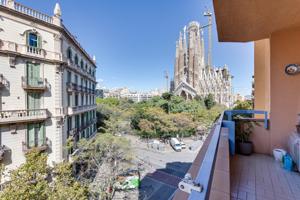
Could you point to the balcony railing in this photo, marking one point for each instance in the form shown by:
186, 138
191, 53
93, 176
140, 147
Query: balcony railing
78, 69
27, 11
210, 171
29, 50
20, 116
80, 109
34, 83
73, 132
43, 147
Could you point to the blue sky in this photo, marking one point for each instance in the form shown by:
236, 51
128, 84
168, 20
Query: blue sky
134, 40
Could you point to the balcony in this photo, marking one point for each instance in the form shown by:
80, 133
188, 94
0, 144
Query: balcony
41, 148
39, 84
73, 87
80, 109
15, 48
70, 64
22, 116
73, 132
219, 173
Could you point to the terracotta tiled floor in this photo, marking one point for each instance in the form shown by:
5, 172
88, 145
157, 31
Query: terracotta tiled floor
260, 177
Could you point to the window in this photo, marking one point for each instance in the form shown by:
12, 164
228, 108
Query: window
86, 67
77, 121
69, 77
36, 135
76, 79
76, 59
82, 99
69, 124
69, 53
81, 64
76, 99
33, 40
69, 100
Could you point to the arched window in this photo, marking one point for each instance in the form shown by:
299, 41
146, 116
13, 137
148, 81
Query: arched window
81, 64
76, 59
33, 39
69, 53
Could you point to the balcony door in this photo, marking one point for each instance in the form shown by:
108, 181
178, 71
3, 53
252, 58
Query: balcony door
36, 135
33, 103
33, 75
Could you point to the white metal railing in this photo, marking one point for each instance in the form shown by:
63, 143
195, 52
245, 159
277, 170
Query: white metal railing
33, 13
14, 116
29, 50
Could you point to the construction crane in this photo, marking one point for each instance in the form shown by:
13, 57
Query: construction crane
209, 52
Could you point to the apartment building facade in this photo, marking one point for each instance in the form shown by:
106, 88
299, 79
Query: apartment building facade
47, 85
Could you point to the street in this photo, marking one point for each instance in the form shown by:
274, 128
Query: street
161, 171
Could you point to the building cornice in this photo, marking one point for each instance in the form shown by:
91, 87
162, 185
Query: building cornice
61, 29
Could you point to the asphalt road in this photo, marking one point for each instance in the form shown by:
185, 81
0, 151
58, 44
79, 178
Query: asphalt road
162, 170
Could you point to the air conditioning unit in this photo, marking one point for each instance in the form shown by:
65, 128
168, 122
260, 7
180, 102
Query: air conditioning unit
294, 148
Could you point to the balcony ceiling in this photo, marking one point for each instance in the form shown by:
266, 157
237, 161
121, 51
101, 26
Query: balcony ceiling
250, 20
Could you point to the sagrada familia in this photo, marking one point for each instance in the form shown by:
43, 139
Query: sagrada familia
192, 75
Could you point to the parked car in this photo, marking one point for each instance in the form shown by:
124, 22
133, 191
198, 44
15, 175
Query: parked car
183, 146
175, 144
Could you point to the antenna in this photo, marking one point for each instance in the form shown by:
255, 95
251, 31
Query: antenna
208, 14
166, 76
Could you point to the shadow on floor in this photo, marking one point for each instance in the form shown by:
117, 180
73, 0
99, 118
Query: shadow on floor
162, 183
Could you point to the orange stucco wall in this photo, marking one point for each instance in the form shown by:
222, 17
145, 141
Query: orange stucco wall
275, 91
284, 89
262, 75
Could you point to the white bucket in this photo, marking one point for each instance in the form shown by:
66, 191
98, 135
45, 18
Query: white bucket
278, 154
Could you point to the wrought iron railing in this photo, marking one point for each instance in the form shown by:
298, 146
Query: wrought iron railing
42, 147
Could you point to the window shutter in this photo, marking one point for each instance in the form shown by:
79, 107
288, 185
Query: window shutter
27, 38
39, 41
41, 136
30, 132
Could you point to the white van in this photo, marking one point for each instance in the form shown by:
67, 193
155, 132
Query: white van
175, 144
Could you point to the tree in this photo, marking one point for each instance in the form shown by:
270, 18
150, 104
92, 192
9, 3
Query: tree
167, 96
209, 101
100, 161
36, 180
243, 105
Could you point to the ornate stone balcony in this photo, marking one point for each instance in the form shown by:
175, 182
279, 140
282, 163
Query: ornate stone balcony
46, 144
26, 50
22, 116
35, 83
80, 109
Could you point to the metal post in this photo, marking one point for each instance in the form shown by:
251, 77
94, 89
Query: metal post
209, 52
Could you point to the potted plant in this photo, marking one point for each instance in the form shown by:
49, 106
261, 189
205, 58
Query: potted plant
244, 129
